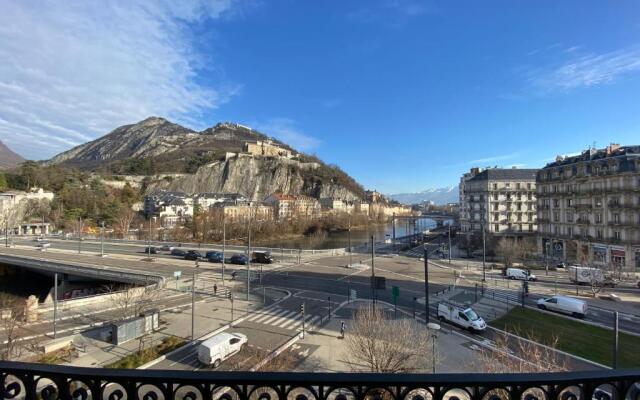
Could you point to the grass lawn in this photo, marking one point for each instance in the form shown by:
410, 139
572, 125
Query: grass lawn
136, 359
584, 340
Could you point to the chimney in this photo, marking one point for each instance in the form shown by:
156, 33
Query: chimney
475, 170
612, 148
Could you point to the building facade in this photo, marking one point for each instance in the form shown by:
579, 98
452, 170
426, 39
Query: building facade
589, 208
500, 201
286, 206
173, 208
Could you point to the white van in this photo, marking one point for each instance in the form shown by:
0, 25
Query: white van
460, 315
220, 347
521, 274
564, 305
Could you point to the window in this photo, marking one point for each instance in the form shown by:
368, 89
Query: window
495, 206
495, 216
529, 196
462, 316
556, 217
555, 188
616, 218
569, 231
495, 197
617, 235
529, 185
507, 185
598, 233
556, 203
495, 186
518, 185
569, 217
598, 218
234, 341
496, 227
569, 202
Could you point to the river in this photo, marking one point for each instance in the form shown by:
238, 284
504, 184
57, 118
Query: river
340, 239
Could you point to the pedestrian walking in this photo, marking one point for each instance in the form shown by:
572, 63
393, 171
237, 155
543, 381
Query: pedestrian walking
343, 327
215, 289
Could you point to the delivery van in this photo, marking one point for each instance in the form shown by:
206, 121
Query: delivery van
520, 274
460, 315
564, 305
220, 347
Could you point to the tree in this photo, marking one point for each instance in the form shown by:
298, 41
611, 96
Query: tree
521, 355
130, 302
508, 250
3, 181
11, 321
376, 343
122, 220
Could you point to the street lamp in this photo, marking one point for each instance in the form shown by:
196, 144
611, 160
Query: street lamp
102, 239
434, 328
193, 302
484, 254
426, 283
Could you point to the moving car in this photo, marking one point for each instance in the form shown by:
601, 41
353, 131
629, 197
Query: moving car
521, 274
192, 255
239, 259
150, 250
220, 347
166, 247
214, 256
178, 252
560, 265
262, 257
460, 315
43, 245
588, 275
564, 305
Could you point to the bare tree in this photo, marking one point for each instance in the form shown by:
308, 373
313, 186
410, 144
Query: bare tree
508, 250
130, 302
518, 354
377, 343
123, 220
11, 321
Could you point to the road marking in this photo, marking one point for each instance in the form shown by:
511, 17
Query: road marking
277, 321
273, 316
285, 321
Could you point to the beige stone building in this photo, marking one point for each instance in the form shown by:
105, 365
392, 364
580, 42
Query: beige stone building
500, 201
267, 148
589, 208
287, 206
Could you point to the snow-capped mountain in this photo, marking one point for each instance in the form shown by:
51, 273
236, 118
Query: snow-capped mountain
439, 196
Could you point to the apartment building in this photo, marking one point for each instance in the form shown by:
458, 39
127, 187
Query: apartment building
287, 206
172, 208
589, 207
500, 201
207, 200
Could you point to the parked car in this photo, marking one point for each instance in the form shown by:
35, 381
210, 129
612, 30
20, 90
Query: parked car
166, 247
150, 250
214, 256
564, 305
561, 265
178, 252
220, 347
262, 257
520, 274
239, 259
460, 315
192, 255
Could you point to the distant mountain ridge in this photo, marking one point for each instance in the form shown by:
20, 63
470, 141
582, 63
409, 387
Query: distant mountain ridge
439, 196
8, 158
213, 160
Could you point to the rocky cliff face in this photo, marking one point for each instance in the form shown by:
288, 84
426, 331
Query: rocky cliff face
256, 178
8, 159
156, 146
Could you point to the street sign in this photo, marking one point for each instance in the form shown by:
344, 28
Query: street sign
353, 294
177, 274
395, 292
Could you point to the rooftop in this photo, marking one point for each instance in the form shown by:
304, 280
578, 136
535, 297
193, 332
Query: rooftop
592, 154
505, 174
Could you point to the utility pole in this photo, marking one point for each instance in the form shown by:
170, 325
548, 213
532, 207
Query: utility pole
350, 241
193, 303
426, 283
102, 239
224, 243
413, 307
55, 305
302, 314
615, 340
329, 300
80, 235
393, 228
248, 259
484, 255
149, 240
546, 257
449, 243
6, 233
373, 271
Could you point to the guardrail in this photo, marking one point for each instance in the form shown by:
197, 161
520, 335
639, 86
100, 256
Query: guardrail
49, 382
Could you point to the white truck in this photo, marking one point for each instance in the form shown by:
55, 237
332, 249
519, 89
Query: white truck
460, 315
520, 274
220, 347
588, 275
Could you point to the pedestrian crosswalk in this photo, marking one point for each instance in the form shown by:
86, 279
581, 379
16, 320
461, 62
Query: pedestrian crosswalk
282, 318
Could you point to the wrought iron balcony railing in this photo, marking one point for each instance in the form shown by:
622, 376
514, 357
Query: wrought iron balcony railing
35, 381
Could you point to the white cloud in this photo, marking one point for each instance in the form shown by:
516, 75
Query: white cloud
588, 70
74, 70
485, 162
285, 130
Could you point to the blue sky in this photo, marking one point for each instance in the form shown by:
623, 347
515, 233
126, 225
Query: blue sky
403, 95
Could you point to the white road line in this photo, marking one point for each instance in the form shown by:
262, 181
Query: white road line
278, 318
261, 315
272, 316
313, 320
291, 324
278, 321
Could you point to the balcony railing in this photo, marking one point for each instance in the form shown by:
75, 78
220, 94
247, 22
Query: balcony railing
47, 382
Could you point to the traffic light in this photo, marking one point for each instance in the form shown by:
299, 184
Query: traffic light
302, 308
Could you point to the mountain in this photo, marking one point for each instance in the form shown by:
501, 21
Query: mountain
213, 160
439, 196
8, 159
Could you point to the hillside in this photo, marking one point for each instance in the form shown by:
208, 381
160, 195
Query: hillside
157, 146
8, 159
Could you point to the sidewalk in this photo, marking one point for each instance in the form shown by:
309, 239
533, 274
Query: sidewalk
456, 354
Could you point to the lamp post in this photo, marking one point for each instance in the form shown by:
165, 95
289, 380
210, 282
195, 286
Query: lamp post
80, 226
426, 283
546, 257
224, 242
449, 242
373, 271
434, 328
102, 239
193, 302
349, 238
484, 254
